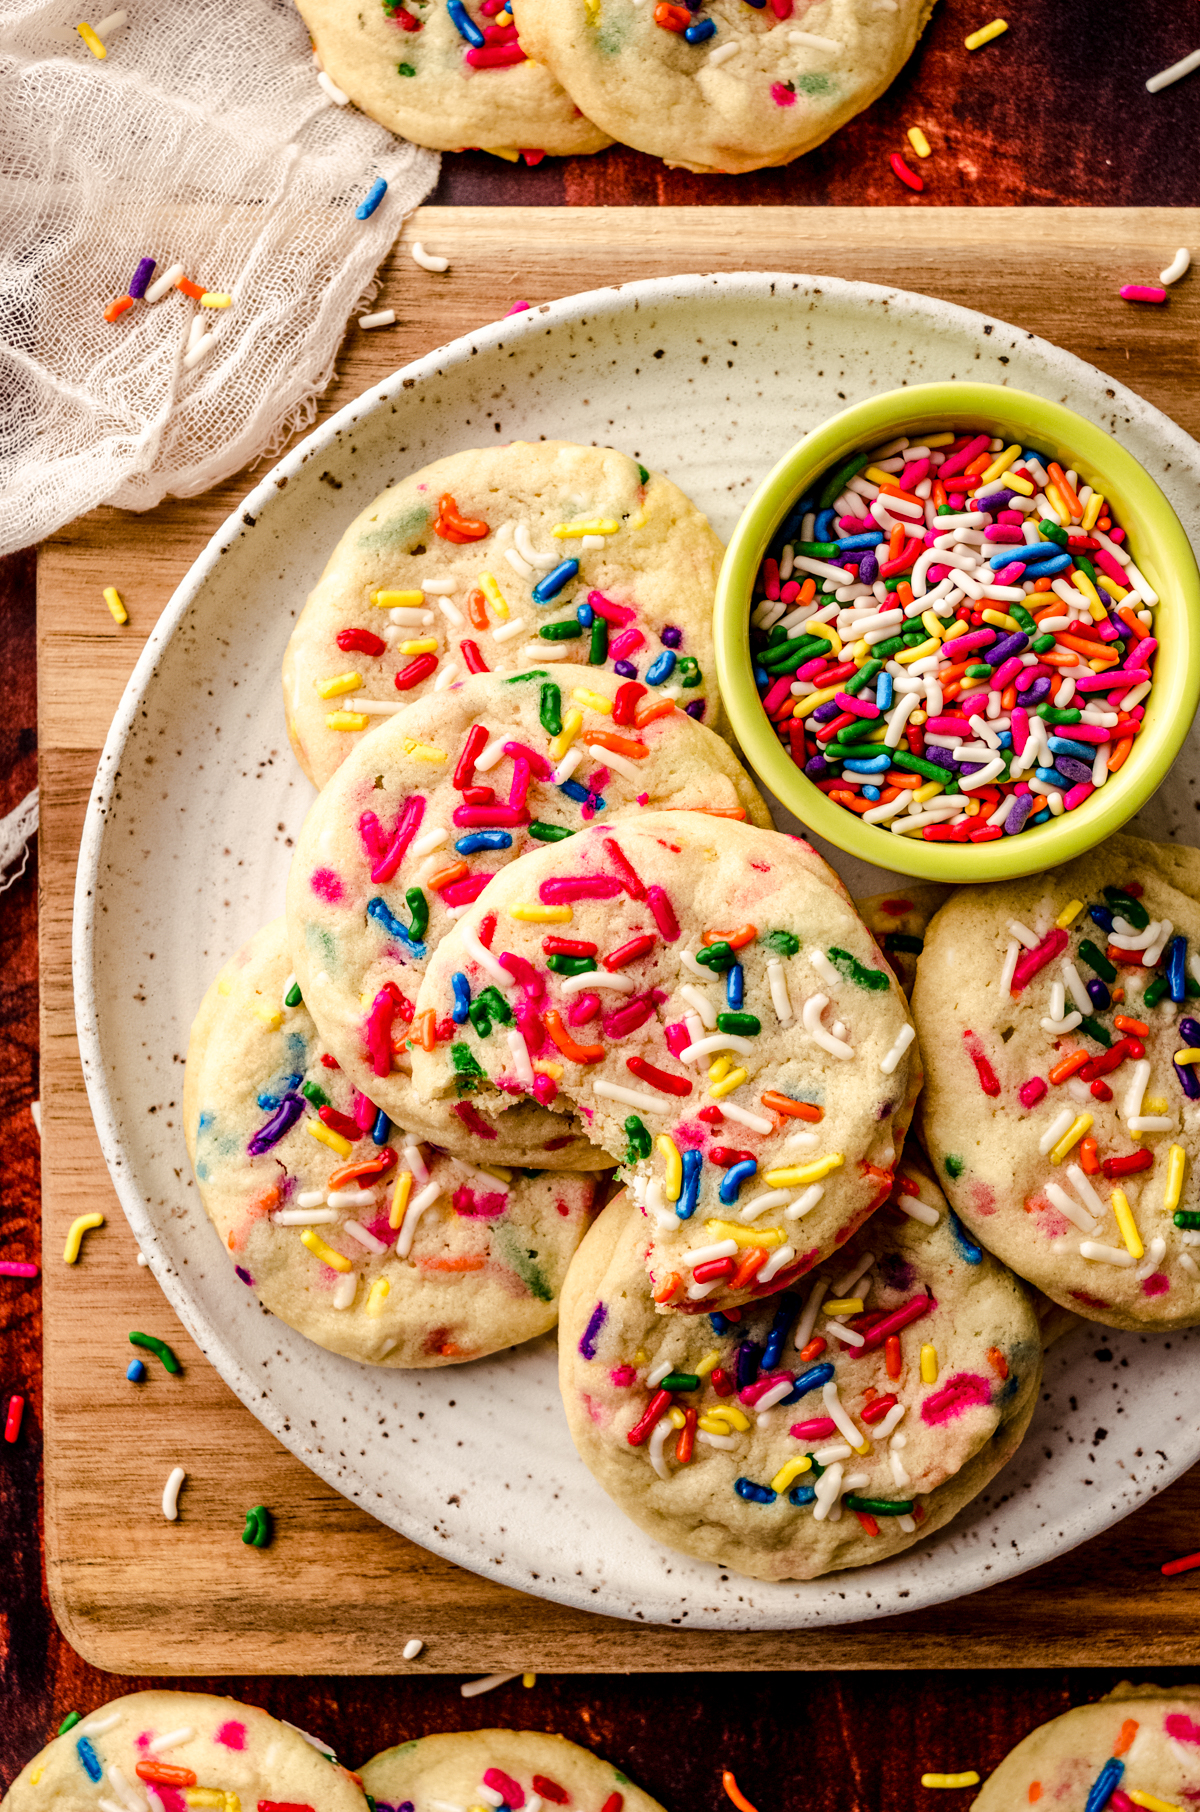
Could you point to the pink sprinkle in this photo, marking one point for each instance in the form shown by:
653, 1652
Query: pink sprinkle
754, 1392
1156, 1285
500, 1782
518, 308
966, 1390
1031, 1092
1030, 961
623, 1376
582, 1009
627, 643
1178, 1725
13, 1268
958, 462
782, 95
658, 900
478, 1207
462, 893
326, 883
579, 887
231, 1735
1142, 292
1010, 574
1077, 794
819, 1428
781, 690
678, 1038
621, 614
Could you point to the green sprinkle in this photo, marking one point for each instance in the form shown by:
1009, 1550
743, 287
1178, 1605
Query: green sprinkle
954, 1166
912, 638
792, 654
718, 956
494, 1003
903, 941
783, 943
863, 677
257, 1532
160, 1349
548, 833
680, 1381
1022, 616
916, 764
293, 997
316, 1095
571, 965
1085, 566
861, 730
893, 645
689, 672
1131, 910
598, 646
643, 475
1154, 991
565, 630
1042, 644
873, 979
1094, 1029
550, 709
1191, 988
1096, 959
817, 550
68, 1723
405, 69
418, 905
1051, 531
465, 1065
480, 1018
640, 1142
1186, 1217
878, 1506
516, 679
817, 1469
982, 671
835, 485
748, 1025
1049, 714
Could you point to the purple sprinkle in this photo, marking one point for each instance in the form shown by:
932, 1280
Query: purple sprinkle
1005, 649
997, 501
868, 568
697, 709
1018, 813
1036, 694
244, 1275
942, 757
966, 768
825, 714
141, 278
626, 669
1079, 771
816, 767
671, 637
285, 1116
591, 1333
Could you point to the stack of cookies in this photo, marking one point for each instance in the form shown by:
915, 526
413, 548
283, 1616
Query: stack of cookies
712, 85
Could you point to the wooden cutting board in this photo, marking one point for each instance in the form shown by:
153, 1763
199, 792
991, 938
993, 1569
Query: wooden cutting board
337, 1592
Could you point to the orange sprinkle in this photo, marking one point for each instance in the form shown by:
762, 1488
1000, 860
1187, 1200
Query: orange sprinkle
477, 609
1035, 1792
578, 1053
444, 876
896, 542
607, 739
1120, 754
1068, 495
1042, 584
1089, 1157
1129, 1730
665, 1291
685, 1445
892, 1356
1067, 1066
423, 1027
752, 1262
808, 592
718, 811
997, 1361
648, 713
368, 1167
737, 940
1123, 1023
904, 592
466, 1262
1118, 995
979, 466
853, 802
794, 1110
735, 1793
118, 307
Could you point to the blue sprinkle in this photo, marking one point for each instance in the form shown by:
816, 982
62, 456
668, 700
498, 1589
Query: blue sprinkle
1176, 967
377, 909
734, 1177
1066, 745
777, 1334
871, 792
884, 690
823, 527
970, 1251
136, 1371
591, 1333
720, 1323
874, 764
562, 574
574, 789
689, 1194
90, 1760
462, 998
485, 839
850, 543
754, 1494
1100, 915
381, 1128
378, 188
749, 1354
585, 616
701, 31
661, 668
801, 1495
465, 25
1104, 1784
762, 679
810, 1380
268, 1102
735, 986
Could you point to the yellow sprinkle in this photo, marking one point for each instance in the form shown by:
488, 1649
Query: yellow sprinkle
94, 43
1001, 463
36, 1776
918, 653
712, 1423
317, 1129
1072, 1136
510, 157
676, 1417
727, 1084
790, 1471
528, 1680
970, 1779
1020, 484
1092, 511
1154, 1104
205, 1796
535, 914
958, 628
572, 725
914, 717
929, 1365
919, 142
976, 40
673, 1173
427, 645
83, 1223
347, 720
732, 1416
224, 986
1058, 504
709, 1363
639, 1358
1174, 1188
595, 701
215, 298
545, 1068
377, 1296
397, 600
501, 1172
745, 1236
861, 652
928, 791
1069, 914
828, 631
938, 440
400, 1195
271, 1017
1127, 1224
316, 1245
339, 683
232, 1802
422, 751
720, 1066
877, 475
494, 595
845, 1305
112, 598
1191, 1055
813, 699
604, 525
796, 1175
999, 620
933, 623
1148, 1800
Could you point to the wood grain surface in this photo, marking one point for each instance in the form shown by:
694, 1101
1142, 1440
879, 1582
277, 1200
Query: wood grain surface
337, 1593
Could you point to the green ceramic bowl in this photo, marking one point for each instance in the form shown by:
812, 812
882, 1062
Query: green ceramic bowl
1155, 539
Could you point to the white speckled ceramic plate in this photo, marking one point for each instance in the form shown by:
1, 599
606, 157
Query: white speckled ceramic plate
186, 850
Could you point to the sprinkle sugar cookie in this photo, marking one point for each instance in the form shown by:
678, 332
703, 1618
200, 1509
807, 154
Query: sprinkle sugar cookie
449, 77
436, 801
1138, 1747
1060, 1026
371, 1242
719, 1016
504, 560
824, 1429
168, 1748
471, 1767
725, 86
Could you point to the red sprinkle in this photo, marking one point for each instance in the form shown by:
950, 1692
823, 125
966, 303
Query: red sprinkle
1127, 1165
659, 1079
987, 1075
12, 1424
1184, 1565
908, 177
635, 948
360, 641
658, 1405
415, 672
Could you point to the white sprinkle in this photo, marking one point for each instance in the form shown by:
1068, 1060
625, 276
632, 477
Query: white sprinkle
170, 1496
132, 1801
720, 1041
703, 1255
662, 1433
838, 1450
98, 1726
1062, 1201
199, 351
814, 1006
1021, 932
528, 552
1175, 73
1189, 1264
344, 1291
723, 53
904, 1038
744, 1117
493, 754
304, 1217
841, 1416
520, 1056
828, 1487
336, 96
815, 42
159, 288
195, 332
504, 632
1155, 1254
1152, 1123
883, 1429
170, 1739
489, 1796
433, 839
840, 1331
521, 567
318, 1745
781, 1000
412, 1649
364, 1237
142, 1259
899, 1474
597, 978
702, 1001
845, 1284
782, 1255
1105, 1255
110, 1805
918, 1210
725, 1442
114, 24
428, 261
350, 1198
824, 967
634, 1097
1055, 1131
568, 765
774, 1198
416, 1208
1177, 267
377, 707
804, 1204
386, 317
483, 956
439, 587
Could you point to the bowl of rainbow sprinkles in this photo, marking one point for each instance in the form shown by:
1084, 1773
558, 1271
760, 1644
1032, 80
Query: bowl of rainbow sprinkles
958, 632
